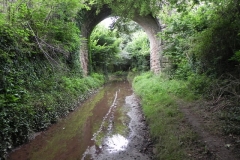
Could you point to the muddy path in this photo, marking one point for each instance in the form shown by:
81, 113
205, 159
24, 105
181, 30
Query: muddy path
109, 125
217, 146
133, 146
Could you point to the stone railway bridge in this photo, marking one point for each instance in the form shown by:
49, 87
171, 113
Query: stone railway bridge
148, 23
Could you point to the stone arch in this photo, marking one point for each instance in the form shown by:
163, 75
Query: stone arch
149, 24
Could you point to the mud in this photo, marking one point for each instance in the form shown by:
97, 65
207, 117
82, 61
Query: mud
109, 125
136, 145
204, 124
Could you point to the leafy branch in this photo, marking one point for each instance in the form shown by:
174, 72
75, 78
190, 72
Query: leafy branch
41, 44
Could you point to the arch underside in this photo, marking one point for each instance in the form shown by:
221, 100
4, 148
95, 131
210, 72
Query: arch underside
149, 24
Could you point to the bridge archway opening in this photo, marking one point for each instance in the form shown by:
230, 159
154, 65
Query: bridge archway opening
148, 23
118, 46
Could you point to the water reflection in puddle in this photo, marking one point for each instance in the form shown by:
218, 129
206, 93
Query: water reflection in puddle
116, 143
82, 134
107, 139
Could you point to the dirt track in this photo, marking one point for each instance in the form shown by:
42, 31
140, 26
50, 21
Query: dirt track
216, 145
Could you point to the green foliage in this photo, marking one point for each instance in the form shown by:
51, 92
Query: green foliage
134, 46
212, 47
158, 96
40, 76
139, 44
43, 27
127, 8
203, 45
236, 56
120, 73
125, 27
48, 98
103, 49
199, 40
178, 38
139, 52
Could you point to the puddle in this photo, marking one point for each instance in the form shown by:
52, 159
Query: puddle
116, 143
107, 126
136, 144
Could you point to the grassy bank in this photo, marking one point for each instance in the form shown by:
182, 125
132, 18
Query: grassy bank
158, 97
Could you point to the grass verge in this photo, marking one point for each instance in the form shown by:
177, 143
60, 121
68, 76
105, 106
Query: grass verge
157, 94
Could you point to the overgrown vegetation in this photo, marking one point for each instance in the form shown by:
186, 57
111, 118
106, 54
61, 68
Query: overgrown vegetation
104, 47
202, 43
114, 50
40, 76
138, 50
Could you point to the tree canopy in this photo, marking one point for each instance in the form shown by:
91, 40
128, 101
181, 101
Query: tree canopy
104, 47
204, 38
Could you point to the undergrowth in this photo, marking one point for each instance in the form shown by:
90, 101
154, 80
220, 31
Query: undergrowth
158, 101
224, 99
